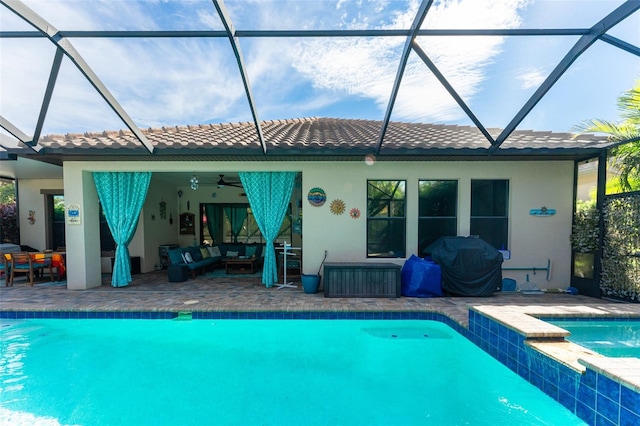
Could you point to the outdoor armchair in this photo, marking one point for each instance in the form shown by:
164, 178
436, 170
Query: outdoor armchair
5, 267
24, 263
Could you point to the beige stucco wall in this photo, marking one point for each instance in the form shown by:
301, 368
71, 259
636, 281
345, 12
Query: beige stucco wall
533, 240
157, 230
31, 199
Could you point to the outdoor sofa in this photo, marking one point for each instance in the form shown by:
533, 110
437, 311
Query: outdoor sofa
193, 260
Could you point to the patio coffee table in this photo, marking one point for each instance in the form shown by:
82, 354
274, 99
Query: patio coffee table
239, 265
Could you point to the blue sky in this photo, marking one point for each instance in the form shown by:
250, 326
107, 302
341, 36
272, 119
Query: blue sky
167, 82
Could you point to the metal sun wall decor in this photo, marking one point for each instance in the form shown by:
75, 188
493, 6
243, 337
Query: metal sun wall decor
337, 206
317, 197
354, 213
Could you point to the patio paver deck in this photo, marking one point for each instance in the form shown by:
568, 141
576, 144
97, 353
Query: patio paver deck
152, 292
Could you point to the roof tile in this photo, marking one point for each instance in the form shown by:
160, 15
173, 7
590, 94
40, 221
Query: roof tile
317, 134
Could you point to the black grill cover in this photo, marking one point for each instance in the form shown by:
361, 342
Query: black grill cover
470, 266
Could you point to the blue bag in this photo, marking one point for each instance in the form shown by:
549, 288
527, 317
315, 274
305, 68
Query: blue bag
421, 278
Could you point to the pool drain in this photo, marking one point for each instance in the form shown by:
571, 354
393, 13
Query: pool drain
395, 335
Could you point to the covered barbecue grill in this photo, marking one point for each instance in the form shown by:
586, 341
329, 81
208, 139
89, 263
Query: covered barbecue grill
470, 266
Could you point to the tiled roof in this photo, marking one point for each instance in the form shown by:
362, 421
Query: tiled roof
313, 136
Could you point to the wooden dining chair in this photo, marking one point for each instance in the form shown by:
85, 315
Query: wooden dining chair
5, 267
23, 263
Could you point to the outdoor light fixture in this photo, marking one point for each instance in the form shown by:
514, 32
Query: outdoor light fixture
194, 182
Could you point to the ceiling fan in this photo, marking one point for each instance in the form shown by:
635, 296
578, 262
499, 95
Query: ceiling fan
221, 183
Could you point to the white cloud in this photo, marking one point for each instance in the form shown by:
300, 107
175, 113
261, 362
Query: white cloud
23, 79
157, 81
531, 78
367, 67
190, 81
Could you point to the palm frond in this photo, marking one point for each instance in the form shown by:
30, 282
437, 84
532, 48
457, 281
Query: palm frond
596, 125
629, 105
625, 157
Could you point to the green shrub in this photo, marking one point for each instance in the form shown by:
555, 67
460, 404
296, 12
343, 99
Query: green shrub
621, 250
585, 231
9, 232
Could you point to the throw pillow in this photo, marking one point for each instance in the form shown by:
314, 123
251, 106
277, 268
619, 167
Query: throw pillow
250, 251
187, 257
214, 251
194, 251
175, 256
205, 252
233, 253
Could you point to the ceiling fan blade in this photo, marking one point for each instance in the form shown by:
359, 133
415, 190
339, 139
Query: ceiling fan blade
222, 182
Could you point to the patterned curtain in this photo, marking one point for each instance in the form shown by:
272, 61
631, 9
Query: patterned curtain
212, 213
237, 216
122, 195
269, 194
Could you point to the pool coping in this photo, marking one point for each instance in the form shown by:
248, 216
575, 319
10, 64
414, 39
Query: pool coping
550, 340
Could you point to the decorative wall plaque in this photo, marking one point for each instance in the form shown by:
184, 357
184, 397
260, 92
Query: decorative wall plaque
337, 206
317, 197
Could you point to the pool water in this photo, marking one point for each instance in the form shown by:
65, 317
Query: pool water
258, 372
608, 337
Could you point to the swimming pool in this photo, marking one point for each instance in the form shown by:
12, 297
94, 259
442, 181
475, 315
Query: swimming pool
609, 337
284, 372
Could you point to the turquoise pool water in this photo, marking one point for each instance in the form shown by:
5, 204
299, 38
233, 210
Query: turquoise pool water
258, 372
607, 337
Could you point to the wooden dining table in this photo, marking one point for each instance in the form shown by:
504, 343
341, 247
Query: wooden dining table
57, 260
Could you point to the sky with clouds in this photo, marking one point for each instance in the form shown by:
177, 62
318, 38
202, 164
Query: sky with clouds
179, 81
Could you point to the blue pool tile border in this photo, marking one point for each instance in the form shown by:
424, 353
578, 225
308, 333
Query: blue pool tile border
86, 315
266, 315
593, 397
240, 315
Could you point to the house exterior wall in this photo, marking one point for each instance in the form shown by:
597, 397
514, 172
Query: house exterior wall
82, 238
31, 199
533, 240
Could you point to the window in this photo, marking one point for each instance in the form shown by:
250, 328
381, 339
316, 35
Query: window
54, 218
386, 219
238, 224
107, 243
585, 220
489, 211
437, 211
55, 221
